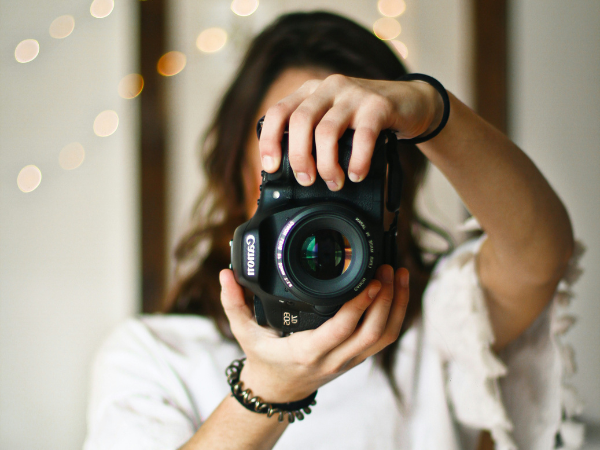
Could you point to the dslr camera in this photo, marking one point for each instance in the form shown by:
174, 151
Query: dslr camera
308, 250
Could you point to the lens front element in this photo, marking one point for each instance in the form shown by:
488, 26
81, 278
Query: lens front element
325, 254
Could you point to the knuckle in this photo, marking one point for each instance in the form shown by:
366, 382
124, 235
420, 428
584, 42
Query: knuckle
336, 79
277, 111
307, 359
380, 103
367, 133
327, 170
342, 330
333, 369
310, 85
389, 337
326, 131
299, 161
301, 116
360, 165
386, 297
370, 338
268, 146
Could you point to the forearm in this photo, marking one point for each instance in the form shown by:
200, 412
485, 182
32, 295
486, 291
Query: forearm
526, 223
231, 426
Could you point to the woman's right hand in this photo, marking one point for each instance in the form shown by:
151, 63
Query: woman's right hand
281, 370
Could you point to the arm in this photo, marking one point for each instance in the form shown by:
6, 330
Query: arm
287, 369
231, 426
529, 233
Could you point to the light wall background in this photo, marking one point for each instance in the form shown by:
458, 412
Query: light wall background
69, 268
555, 118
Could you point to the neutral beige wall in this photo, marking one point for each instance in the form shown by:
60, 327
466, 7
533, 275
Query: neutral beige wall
68, 250
555, 106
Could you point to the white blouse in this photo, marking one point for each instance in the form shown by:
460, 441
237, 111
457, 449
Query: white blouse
158, 377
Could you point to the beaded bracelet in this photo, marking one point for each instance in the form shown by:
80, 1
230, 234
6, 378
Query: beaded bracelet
255, 404
445, 99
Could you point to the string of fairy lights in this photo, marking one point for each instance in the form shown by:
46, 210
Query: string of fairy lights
210, 40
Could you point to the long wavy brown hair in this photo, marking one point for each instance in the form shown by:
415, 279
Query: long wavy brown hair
316, 39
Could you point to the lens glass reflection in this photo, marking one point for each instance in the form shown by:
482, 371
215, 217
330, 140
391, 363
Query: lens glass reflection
326, 254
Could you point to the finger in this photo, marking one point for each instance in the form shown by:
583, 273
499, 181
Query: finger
337, 329
276, 119
375, 319
302, 123
327, 134
369, 122
234, 304
395, 319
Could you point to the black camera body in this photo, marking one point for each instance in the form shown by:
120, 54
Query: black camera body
308, 250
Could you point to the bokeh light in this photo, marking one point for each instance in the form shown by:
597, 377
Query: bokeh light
391, 8
71, 156
62, 26
101, 8
400, 47
211, 40
171, 63
27, 50
106, 123
131, 86
244, 7
29, 178
386, 28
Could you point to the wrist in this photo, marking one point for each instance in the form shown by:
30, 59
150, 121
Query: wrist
434, 105
271, 388
433, 109
293, 409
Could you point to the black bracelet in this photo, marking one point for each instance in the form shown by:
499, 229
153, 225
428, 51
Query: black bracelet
255, 404
438, 87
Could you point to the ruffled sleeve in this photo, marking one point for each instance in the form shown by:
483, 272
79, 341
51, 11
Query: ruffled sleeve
522, 395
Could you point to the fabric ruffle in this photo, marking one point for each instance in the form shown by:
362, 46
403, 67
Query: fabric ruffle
460, 329
571, 432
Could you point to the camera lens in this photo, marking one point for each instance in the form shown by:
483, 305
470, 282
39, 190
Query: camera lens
325, 254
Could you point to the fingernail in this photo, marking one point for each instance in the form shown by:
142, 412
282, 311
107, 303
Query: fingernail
332, 185
355, 178
373, 292
388, 274
302, 178
267, 163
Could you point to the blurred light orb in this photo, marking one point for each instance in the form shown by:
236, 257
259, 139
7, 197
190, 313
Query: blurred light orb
391, 8
171, 63
401, 48
62, 26
244, 7
211, 40
29, 178
27, 50
106, 123
131, 86
101, 8
71, 156
386, 28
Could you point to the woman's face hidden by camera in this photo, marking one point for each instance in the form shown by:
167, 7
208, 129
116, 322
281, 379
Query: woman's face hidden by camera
287, 83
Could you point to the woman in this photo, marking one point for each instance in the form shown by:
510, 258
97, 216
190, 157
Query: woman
158, 379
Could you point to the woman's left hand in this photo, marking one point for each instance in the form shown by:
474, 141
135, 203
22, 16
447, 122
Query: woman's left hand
332, 105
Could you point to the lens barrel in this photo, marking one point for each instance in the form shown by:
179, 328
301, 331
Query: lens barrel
324, 254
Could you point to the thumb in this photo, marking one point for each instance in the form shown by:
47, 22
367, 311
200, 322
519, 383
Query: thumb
234, 304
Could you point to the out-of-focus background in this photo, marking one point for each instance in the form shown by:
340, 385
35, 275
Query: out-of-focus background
102, 105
